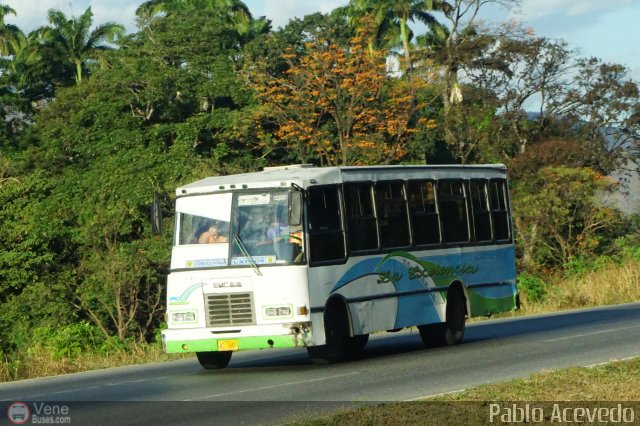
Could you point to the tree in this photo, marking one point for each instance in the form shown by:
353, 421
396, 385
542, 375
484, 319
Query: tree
575, 99
524, 72
74, 41
237, 15
392, 19
602, 106
559, 214
449, 51
75, 244
7, 32
339, 105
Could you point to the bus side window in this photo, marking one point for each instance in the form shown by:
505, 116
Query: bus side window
424, 212
393, 220
361, 220
499, 209
453, 211
481, 213
326, 238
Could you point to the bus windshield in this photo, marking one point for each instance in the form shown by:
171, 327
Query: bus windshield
258, 227
261, 226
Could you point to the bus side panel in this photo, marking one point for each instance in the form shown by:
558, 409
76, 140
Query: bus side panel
405, 289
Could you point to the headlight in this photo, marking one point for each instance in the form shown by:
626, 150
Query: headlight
278, 311
189, 316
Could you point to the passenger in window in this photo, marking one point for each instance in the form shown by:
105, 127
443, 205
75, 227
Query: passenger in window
211, 236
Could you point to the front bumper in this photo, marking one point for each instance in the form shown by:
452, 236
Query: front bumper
203, 340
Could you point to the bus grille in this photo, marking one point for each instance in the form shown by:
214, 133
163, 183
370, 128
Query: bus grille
229, 309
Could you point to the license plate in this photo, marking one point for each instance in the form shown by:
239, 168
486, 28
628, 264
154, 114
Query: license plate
228, 345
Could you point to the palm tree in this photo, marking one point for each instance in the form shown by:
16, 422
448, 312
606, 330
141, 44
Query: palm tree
249, 30
236, 9
8, 32
237, 13
392, 18
73, 40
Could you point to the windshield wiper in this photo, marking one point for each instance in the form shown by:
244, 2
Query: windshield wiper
245, 251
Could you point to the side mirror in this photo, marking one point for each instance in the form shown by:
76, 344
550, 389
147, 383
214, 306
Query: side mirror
156, 215
295, 208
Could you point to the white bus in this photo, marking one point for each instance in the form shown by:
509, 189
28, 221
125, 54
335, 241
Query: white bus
302, 256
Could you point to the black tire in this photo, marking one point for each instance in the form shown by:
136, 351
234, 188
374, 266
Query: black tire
338, 346
356, 344
432, 334
450, 332
214, 360
456, 317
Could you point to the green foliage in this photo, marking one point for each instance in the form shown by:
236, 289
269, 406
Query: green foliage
629, 247
113, 344
560, 215
579, 266
75, 246
533, 287
69, 341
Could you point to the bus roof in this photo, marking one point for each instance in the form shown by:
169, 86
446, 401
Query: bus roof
306, 175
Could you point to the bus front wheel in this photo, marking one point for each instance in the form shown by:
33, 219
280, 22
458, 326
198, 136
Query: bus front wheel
339, 345
214, 360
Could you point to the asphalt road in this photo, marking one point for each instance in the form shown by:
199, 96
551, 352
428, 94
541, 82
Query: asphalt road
275, 386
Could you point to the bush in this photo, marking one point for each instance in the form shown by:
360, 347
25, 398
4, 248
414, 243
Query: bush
69, 341
534, 288
629, 247
112, 345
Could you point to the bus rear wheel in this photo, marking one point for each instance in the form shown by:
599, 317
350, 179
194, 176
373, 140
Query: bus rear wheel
451, 331
214, 360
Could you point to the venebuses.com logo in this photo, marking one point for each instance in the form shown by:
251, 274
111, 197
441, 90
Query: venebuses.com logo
18, 413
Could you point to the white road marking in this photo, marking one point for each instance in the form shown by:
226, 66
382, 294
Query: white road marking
272, 386
84, 389
435, 394
597, 364
592, 333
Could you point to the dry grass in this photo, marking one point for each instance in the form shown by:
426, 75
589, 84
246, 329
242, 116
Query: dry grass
614, 381
38, 362
613, 283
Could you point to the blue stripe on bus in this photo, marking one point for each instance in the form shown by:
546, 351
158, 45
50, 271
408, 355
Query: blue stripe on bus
492, 266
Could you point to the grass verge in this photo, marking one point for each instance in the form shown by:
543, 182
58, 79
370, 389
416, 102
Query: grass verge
38, 362
598, 386
611, 283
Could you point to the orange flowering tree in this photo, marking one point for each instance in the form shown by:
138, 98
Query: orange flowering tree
339, 105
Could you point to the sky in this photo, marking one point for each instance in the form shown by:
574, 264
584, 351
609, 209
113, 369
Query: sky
608, 30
